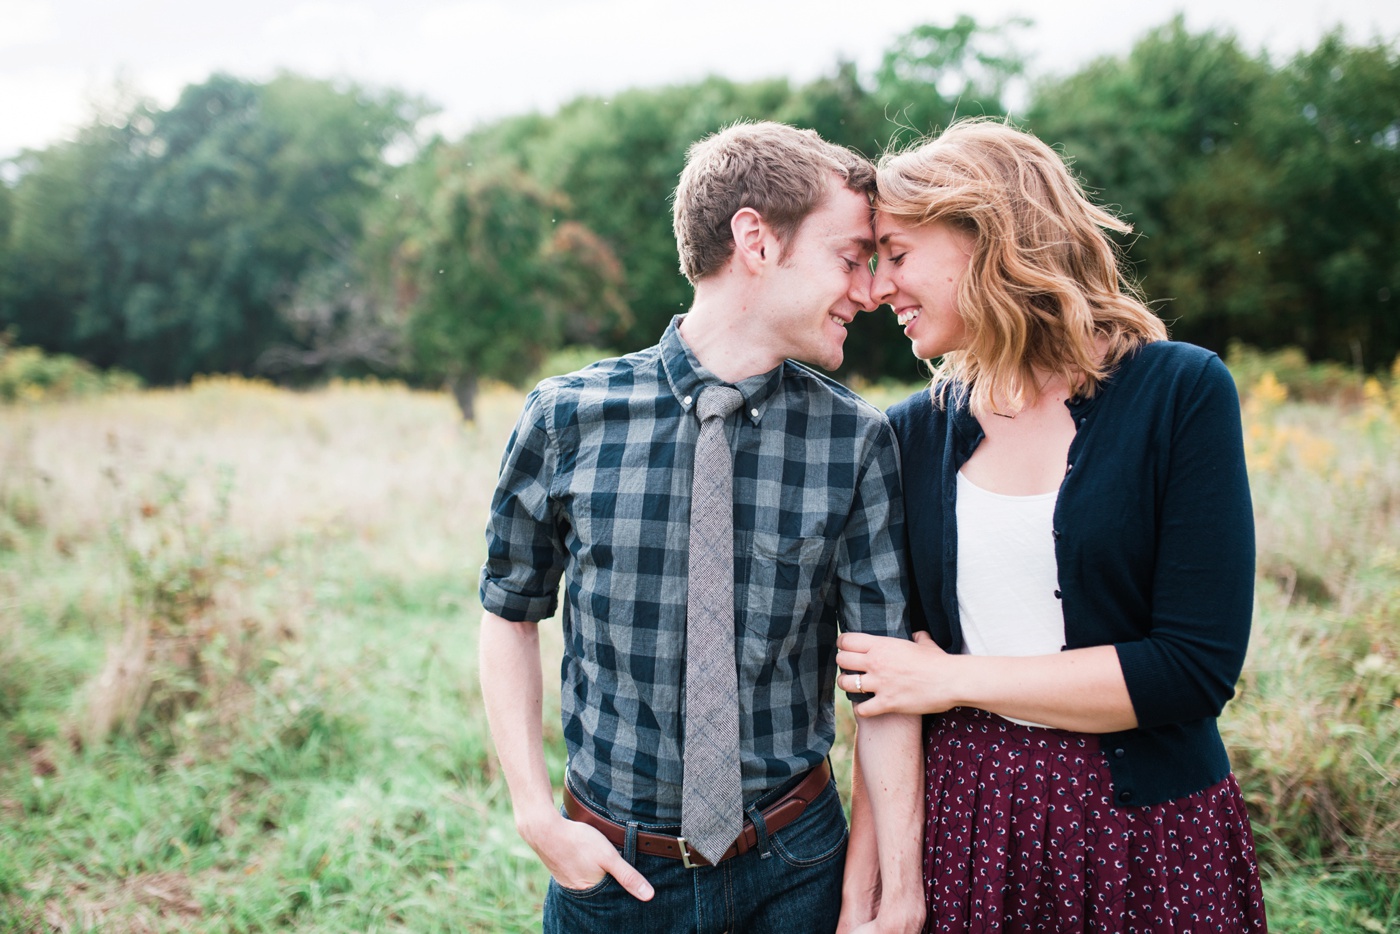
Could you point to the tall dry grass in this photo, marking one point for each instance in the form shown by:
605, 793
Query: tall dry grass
196, 517
222, 609
355, 459
1315, 732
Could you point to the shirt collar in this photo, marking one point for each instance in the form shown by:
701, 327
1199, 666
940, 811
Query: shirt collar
688, 376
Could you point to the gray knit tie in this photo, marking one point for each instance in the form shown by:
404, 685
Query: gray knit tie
712, 802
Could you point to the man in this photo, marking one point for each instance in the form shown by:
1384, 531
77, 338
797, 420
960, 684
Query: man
709, 553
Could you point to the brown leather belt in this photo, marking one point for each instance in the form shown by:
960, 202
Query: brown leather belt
775, 817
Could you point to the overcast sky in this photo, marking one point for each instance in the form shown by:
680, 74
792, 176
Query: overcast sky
478, 59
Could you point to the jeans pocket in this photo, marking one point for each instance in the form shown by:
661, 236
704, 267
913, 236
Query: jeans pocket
596, 888
815, 837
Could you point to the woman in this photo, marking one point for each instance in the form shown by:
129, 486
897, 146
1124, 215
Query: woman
1082, 549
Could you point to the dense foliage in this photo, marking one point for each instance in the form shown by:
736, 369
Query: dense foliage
1266, 197
174, 243
292, 229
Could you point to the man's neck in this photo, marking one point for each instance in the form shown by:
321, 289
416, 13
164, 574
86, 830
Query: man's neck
726, 333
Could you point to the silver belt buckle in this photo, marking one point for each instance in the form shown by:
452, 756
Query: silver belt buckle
685, 855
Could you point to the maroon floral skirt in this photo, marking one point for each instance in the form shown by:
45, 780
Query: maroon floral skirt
1021, 836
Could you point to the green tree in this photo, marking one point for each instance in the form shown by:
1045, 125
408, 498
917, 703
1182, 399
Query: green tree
933, 73
45, 272
490, 274
841, 108
170, 244
7, 222
1263, 198
1168, 135
1335, 142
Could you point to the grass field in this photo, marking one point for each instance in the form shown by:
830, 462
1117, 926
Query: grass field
238, 678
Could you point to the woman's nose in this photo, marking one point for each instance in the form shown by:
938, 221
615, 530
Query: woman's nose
882, 286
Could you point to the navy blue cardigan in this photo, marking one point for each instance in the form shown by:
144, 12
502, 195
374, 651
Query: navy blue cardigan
1154, 539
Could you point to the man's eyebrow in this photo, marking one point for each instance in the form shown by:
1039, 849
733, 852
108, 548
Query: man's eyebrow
864, 244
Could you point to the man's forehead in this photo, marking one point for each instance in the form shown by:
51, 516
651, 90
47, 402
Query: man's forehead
851, 237
856, 221
842, 221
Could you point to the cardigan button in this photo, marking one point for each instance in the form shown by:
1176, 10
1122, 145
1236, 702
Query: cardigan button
1055, 533
1119, 753
1125, 796
1058, 596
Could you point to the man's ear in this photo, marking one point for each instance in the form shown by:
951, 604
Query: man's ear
754, 243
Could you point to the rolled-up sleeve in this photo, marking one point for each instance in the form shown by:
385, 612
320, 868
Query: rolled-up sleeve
1203, 580
870, 560
524, 554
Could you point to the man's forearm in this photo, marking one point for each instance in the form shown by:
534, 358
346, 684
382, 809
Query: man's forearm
513, 691
860, 886
575, 854
892, 773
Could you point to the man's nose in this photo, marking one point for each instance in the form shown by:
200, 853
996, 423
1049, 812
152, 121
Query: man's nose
860, 289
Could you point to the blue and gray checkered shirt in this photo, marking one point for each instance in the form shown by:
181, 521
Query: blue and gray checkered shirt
595, 486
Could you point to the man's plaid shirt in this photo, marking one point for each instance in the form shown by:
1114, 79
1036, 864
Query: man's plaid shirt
595, 485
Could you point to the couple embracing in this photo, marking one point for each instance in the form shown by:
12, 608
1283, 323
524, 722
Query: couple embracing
1034, 577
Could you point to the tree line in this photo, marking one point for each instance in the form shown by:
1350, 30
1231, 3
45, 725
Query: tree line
297, 229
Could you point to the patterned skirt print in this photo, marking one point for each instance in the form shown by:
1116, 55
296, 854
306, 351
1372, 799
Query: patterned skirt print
1020, 836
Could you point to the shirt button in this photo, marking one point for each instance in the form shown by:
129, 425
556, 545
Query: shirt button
686, 400
753, 413
1119, 753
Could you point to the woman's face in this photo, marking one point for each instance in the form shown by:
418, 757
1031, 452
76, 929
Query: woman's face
919, 271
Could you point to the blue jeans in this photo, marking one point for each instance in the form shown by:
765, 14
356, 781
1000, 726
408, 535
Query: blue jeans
790, 883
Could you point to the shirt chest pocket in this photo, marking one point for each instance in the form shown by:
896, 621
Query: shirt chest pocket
786, 579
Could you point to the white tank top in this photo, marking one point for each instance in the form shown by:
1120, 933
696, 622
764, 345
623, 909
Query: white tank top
1007, 574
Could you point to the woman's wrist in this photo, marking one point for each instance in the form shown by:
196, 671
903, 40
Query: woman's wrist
958, 682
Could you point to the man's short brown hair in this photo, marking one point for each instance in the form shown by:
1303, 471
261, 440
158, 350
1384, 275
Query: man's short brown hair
779, 171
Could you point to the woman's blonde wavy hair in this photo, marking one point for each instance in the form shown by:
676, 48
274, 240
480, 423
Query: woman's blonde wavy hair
1044, 290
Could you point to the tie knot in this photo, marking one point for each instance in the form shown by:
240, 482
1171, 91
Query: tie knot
718, 402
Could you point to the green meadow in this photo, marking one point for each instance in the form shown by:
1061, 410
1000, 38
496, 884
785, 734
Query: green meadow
239, 686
